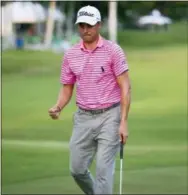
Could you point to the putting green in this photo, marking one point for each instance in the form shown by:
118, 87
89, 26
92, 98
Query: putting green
35, 156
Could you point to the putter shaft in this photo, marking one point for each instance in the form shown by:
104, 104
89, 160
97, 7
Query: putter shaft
121, 178
121, 168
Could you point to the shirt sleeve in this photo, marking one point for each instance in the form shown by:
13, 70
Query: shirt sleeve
119, 62
67, 76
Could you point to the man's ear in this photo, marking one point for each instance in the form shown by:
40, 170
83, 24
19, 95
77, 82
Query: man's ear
99, 25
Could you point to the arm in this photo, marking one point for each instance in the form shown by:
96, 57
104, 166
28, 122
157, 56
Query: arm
125, 87
120, 68
65, 95
67, 79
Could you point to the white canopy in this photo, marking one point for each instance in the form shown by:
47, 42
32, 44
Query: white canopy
25, 12
144, 20
6, 21
155, 18
40, 11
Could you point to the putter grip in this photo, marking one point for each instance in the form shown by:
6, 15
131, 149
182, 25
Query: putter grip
121, 150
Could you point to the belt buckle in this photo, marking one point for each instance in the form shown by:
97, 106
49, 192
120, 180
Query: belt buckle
98, 111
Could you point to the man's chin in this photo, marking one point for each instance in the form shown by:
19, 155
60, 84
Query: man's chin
88, 39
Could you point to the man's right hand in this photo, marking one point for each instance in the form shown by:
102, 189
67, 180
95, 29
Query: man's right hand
54, 112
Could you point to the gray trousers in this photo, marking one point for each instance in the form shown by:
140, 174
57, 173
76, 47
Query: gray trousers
95, 135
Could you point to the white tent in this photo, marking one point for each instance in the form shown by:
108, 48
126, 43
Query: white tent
155, 18
6, 21
161, 20
21, 12
40, 12
26, 12
2, 22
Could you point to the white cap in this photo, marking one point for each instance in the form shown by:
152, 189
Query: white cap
89, 15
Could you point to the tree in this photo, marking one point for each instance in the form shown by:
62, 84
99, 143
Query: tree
112, 20
50, 24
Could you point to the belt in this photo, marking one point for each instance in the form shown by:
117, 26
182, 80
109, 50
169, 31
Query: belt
99, 111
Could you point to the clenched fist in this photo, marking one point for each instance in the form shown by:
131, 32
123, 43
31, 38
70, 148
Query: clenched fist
54, 112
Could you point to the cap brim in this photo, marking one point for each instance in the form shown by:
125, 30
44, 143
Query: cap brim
87, 20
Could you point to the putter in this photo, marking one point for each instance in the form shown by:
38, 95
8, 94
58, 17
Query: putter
121, 167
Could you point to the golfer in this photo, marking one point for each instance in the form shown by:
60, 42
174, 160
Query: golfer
98, 69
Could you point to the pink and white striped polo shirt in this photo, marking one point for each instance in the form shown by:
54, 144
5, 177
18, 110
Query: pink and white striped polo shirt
94, 73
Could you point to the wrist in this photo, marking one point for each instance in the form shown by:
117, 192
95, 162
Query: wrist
58, 107
123, 121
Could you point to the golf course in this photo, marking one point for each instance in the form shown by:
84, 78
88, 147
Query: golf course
35, 148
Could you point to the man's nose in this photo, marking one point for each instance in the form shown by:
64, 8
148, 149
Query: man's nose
85, 28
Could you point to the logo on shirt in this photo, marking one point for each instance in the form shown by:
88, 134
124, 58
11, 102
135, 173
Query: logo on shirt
123, 62
84, 13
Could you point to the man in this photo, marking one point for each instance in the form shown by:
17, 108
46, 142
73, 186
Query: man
99, 69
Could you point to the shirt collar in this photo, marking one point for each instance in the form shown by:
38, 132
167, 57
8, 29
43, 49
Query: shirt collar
99, 44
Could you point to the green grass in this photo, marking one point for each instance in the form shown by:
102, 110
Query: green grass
176, 35
39, 170
35, 156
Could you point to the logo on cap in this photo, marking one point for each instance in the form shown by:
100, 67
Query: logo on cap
84, 13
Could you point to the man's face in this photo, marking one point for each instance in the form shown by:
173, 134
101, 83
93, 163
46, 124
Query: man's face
88, 33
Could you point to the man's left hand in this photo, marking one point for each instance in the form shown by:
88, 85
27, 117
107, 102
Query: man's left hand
123, 131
